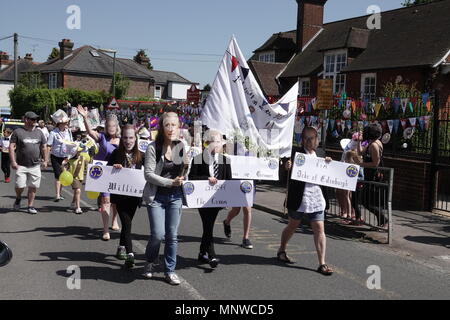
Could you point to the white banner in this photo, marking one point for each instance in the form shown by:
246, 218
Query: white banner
335, 174
237, 107
229, 193
254, 168
128, 182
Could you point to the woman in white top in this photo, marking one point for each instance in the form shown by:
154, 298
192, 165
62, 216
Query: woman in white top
306, 199
56, 143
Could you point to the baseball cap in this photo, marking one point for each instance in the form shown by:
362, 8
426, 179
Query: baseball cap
31, 115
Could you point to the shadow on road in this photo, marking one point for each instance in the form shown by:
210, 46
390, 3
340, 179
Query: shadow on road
435, 241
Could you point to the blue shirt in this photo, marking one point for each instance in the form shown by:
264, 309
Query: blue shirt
55, 141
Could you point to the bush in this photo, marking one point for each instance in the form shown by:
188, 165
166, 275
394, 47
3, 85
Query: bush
47, 101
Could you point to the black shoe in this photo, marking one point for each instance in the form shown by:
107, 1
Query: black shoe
247, 244
227, 229
213, 263
203, 258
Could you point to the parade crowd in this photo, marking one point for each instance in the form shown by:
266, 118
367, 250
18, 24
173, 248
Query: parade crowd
166, 164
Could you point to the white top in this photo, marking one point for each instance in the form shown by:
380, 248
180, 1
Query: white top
45, 132
57, 140
4, 144
313, 200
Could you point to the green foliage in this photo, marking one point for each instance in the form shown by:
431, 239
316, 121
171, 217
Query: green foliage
122, 85
54, 54
207, 87
47, 101
32, 80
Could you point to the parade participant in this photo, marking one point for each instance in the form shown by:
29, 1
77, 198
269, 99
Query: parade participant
127, 155
26, 149
306, 199
43, 128
56, 143
234, 212
76, 166
108, 142
4, 149
212, 166
163, 195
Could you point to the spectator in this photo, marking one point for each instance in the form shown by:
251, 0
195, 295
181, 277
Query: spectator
26, 150
43, 128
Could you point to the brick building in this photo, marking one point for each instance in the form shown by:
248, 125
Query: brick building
412, 47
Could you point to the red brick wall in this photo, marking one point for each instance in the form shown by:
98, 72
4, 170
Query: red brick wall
94, 83
411, 189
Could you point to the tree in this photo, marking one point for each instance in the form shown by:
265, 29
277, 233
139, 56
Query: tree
207, 87
54, 54
31, 80
141, 57
122, 85
410, 3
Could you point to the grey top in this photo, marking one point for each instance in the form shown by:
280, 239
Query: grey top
28, 146
152, 171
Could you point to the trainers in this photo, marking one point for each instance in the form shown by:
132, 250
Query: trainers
121, 253
78, 211
203, 258
247, 244
149, 270
58, 199
7, 180
172, 279
129, 262
17, 204
227, 229
32, 210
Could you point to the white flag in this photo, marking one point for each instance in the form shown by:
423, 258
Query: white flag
237, 106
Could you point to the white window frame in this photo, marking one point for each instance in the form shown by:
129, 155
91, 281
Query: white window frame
267, 56
302, 89
364, 93
333, 62
53, 80
158, 92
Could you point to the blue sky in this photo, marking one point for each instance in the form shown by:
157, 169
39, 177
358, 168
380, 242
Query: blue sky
187, 37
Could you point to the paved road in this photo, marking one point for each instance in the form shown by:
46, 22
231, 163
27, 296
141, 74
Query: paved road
45, 245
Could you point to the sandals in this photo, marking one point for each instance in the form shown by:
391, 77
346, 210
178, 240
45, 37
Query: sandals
325, 270
283, 257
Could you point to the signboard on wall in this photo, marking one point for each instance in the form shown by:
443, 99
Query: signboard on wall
325, 98
193, 94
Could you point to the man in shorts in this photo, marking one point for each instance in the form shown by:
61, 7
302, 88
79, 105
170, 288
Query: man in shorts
27, 148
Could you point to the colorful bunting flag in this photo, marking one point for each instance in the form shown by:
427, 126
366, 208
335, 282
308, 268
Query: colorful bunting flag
390, 125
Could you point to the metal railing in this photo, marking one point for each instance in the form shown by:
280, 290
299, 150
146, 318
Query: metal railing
371, 202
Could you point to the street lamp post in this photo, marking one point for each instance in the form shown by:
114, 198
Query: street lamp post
114, 68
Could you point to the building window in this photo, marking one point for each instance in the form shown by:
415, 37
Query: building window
334, 62
53, 81
305, 87
368, 86
267, 57
157, 92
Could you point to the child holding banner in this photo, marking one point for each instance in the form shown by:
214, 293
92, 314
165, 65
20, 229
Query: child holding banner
306, 199
126, 156
212, 166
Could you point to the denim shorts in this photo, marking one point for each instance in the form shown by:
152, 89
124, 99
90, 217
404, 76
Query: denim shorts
314, 216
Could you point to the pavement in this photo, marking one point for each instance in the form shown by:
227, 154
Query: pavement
47, 245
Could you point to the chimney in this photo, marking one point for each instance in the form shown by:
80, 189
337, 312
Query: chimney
4, 60
29, 57
309, 20
65, 48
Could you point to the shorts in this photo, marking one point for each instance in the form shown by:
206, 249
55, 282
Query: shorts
76, 184
314, 216
28, 177
56, 164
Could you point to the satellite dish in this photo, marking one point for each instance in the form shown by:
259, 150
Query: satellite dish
386, 138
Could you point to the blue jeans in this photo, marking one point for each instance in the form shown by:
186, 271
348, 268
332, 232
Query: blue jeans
164, 214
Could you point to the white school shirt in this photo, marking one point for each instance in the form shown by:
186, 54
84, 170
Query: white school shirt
313, 200
4, 143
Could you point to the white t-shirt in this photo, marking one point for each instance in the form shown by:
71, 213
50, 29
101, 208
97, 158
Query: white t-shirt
4, 144
313, 200
45, 132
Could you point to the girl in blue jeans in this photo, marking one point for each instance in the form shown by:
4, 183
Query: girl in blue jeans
163, 195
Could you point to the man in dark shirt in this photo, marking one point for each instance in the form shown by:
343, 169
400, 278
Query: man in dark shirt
27, 148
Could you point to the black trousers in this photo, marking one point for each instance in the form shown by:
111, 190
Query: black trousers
5, 164
126, 207
356, 200
209, 216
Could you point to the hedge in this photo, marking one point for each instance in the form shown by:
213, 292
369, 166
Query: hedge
46, 101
